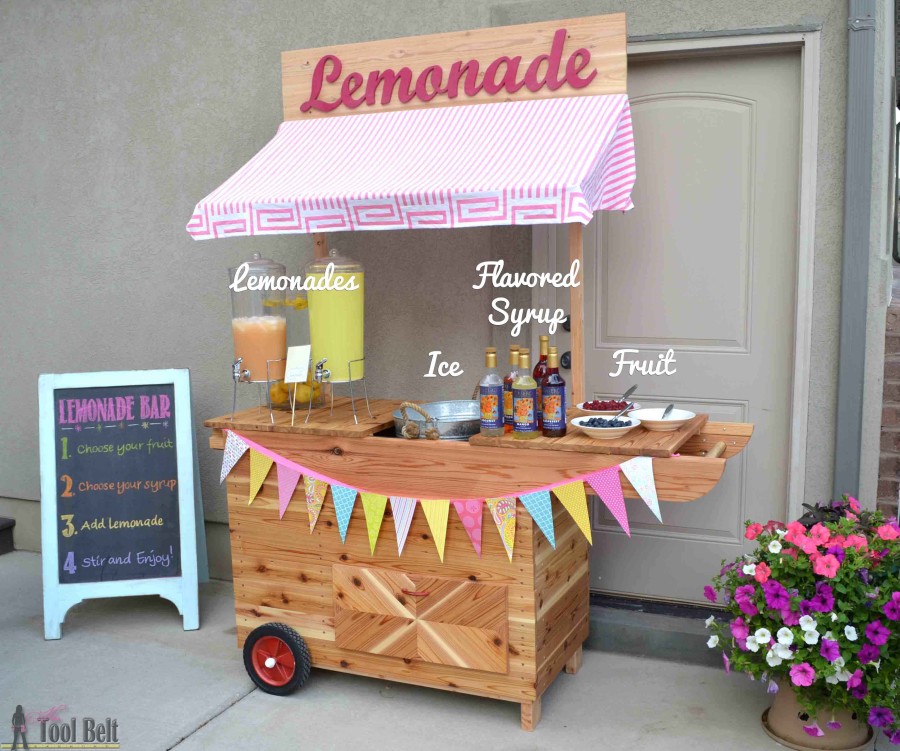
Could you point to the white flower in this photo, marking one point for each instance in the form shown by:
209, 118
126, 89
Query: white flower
763, 635
829, 636
834, 617
783, 651
752, 644
749, 569
839, 662
831, 678
775, 546
710, 621
785, 636
850, 633
877, 666
844, 675
773, 659
811, 637
808, 623
713, 641
781, 532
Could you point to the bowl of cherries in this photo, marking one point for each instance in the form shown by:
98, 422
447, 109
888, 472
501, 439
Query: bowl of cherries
606, 407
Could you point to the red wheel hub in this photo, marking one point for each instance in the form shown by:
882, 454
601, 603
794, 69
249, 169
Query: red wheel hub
273, 660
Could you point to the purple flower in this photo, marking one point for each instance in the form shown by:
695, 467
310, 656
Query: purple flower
829, 650
710, 594
824, 599
837, 551
790, 617
772, 688
891, 610
893, 737
776, 595
725, 569
855, 680
748, 608
833, 725
864, 575
881, 717
807, 607
726, 662
744, 597
868, 653
860, 691
877, 633
802, 674
814, 730
739, 629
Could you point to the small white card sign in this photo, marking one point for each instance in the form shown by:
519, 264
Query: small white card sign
296, 370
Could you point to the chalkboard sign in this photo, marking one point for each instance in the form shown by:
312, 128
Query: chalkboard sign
117, 490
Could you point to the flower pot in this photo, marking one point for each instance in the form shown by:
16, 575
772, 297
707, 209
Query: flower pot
782, 722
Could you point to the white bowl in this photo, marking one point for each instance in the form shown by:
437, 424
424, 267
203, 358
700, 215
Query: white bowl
651, 418
603, 434
607, 412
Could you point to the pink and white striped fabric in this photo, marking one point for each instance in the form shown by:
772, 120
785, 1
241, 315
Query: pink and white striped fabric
543, 161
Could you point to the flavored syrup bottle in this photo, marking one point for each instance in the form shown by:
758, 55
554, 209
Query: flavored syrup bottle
540, 370
490, 391
507, 388
553, 394
525, 400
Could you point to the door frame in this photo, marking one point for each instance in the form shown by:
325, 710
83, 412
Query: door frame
545, 240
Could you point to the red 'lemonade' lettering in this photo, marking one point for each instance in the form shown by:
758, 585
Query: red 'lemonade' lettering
500, 75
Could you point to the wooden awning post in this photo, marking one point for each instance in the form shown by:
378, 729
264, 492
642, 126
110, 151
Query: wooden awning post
320, 245
576, 314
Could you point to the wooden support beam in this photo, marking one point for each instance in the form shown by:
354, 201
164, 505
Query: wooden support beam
531, 714
320, 247
576, 314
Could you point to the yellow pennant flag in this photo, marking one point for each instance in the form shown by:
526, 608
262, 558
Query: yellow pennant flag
260, 464
373, 506
436, 514
315, 497
574, 500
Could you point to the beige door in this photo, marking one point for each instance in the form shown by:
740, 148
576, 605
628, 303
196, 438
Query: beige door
706, 265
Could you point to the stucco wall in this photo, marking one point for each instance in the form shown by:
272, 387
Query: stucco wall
118, 116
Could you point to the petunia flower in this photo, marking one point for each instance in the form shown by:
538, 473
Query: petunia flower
783, 651
763, 635
802, 674
739, 629
827, 565
814, 730
762, 572
860, 692
833, 724
773, 659
772, 688
811, 637
774, 547
795, 530
877, 633
820, 534
710, 621
829, 649
808, 623
752, 644
856, 679
776, 595
851, 633
807, 545
854, 505
749, 569
857, 541
881, 717
894, 737
868, 653
792, 552
837, 551
753, 531
790, 617
891, 610
713, 641
710, 594
887, 532
785, 636
726, 662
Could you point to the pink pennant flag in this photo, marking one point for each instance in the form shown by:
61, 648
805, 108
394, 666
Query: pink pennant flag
288, 477
607, 485
470, 515
402, 510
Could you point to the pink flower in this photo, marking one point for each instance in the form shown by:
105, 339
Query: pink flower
802, 674
806, 544
856, 541
753, 531
887, 532
795, 530
792, 552
851, 517
854, 505
814, 730
820, 534
739, 629
763, 572
827, 566
710, 594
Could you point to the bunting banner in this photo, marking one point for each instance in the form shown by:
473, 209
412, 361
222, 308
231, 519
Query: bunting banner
607, 485
402, 510
343, 498
469, 513
235, 448
639, 472
574, 500
288, 477
436, 513
503, 512
373, 507
315, 497
538, 505
259, 468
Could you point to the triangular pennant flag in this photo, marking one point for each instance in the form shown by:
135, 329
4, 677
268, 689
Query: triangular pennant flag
608, 486
234, 450
373, 506
503, 512
639, 472
344, 498
402, 510
436, 513
260, 464
574, 500
469, 513
538, 505
288, 477
315, 497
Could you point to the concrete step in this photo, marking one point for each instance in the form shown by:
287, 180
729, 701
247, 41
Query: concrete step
6, 534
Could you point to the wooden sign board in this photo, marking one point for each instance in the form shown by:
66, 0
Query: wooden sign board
118, 509
574, 57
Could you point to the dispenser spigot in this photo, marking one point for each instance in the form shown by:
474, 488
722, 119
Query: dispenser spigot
322, 373
237, 373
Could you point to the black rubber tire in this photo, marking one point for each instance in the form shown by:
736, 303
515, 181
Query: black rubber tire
298, 647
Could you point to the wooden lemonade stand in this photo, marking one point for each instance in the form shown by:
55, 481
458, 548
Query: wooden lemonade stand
493, 625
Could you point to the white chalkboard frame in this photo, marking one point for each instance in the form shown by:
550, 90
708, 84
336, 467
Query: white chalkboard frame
181, 590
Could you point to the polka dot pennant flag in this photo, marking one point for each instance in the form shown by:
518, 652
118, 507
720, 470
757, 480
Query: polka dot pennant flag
373, 506
402, 510
288, 477
538, 505
503, 512
315, 497
639, 472
344, 498
436, 513
469, 513
607, 485
260, 464
574, 500
234, 450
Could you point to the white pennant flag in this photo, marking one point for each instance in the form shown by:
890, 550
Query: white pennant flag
234, 450
639, 472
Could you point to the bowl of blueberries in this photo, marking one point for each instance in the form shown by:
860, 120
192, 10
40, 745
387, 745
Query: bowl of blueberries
604, 428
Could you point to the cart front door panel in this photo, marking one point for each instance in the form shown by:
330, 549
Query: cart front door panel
432, 619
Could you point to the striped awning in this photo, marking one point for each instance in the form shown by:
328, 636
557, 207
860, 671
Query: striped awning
526, 162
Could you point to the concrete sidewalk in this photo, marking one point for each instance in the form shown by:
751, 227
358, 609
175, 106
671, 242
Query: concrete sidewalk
167, 688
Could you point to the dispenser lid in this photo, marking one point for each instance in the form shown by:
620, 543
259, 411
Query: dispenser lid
259, 266
341, 263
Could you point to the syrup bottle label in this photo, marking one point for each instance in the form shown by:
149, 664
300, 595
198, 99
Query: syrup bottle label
491, 399
524, 410
508, 405
554, 407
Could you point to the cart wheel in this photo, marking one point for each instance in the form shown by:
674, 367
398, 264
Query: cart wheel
276, 658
